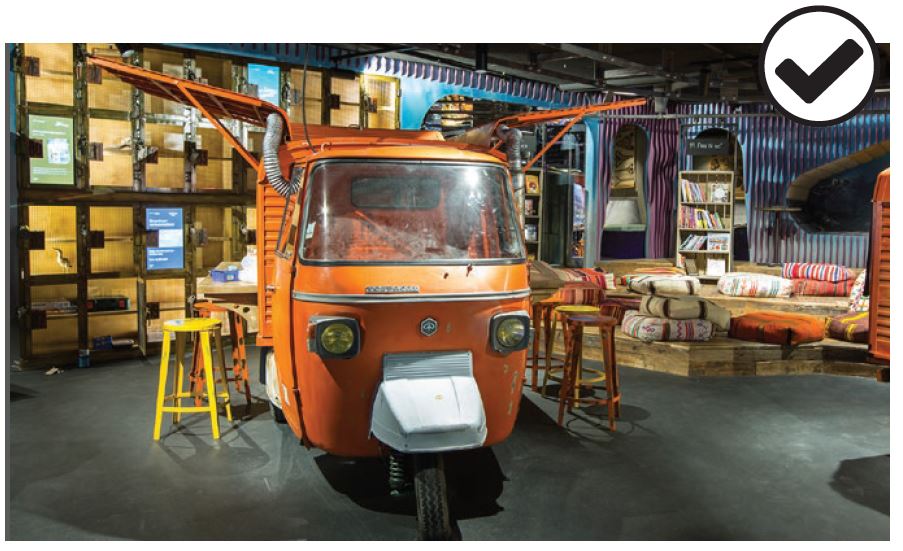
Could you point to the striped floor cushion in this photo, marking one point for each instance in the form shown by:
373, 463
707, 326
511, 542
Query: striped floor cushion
592, 276
685, 308
649, 328
812, 270
738, 284
816, 288
772, 327
852, 327
664, 285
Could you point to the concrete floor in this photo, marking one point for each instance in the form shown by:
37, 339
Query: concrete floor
802, 457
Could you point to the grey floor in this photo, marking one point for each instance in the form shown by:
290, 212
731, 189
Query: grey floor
801, 457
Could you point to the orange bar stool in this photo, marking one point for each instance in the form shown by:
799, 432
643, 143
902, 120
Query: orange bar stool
575, 325
201, 328
239, 354
542, 331
562, 312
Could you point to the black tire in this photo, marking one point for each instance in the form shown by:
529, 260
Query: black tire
278, 416
433, 518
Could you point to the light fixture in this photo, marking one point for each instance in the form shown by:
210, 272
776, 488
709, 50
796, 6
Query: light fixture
481, 58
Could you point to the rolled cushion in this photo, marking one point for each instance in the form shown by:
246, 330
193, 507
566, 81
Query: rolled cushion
778, 328
858, 301
686, 308
591, 276
816, 288
852, 327
820, 272
649, 328
664, 285
738, 284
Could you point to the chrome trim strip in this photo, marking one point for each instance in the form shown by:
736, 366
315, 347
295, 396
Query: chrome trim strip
436, 297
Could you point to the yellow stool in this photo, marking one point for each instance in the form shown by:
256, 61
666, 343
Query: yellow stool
202, 328
557, 373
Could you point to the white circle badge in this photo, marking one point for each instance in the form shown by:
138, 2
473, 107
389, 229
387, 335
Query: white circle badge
819, 65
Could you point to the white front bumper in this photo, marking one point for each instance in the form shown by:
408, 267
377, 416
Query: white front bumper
429, 402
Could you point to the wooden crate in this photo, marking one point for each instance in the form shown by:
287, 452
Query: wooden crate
383, 91
111, 94
59, 253
217, 173
349, 92
170, 63
215, 71
61, 333
313, 96
117, 254
170, 295
218, 223
169, 170
115, 169
115, 323
55, 84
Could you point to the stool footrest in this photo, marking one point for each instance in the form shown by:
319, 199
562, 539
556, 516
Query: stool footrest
186, 409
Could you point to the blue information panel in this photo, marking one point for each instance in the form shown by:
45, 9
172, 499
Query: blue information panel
170, 252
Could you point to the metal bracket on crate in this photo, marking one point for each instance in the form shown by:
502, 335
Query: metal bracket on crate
198, 236
96, 239
31, 66
37, 319
34, 240
152, 310
95, 151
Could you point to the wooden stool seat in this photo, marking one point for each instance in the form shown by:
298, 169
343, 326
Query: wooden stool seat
201, 328
571, 380
555, 372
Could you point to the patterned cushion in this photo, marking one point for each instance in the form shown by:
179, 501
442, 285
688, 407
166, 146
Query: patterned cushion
812, 270
738, 284
591, 276
662, 271
580, 293
664, 285
858, 301
685, 308
778, 328
814, 287
853, 327
649, 329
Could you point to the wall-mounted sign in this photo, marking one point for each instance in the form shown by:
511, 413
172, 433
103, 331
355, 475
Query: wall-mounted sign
708, 146
168, 252
264, 80
56, 164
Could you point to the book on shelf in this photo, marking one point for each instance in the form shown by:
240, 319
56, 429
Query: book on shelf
692, 192
696, 218
720, 193
715, 267
719, 242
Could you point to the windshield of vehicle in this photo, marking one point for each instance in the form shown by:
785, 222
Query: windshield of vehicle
409, 212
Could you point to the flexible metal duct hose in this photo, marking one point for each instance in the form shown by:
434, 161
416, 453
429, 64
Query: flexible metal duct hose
272, 139
511, 137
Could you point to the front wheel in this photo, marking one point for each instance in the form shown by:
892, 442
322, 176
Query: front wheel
433, 519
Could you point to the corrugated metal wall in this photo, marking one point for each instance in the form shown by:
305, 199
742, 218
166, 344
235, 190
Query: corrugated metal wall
775, 151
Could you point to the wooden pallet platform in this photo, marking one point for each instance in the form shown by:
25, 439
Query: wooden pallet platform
723, 356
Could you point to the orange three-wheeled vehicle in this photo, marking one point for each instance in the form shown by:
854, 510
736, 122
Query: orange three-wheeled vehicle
393, 292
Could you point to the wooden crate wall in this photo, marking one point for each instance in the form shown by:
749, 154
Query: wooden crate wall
111, 94
170, 293
58, 225
214, 71
117, 254
55, 84
115, 169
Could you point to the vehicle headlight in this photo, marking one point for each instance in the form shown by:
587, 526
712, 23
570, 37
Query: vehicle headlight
335, 337
510, 331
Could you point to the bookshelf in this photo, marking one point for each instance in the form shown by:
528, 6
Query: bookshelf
705, 229
533, 209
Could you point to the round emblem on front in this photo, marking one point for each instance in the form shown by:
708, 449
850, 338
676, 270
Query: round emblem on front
428, 327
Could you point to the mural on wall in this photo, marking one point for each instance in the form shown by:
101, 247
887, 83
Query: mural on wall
775, 151
624, 168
